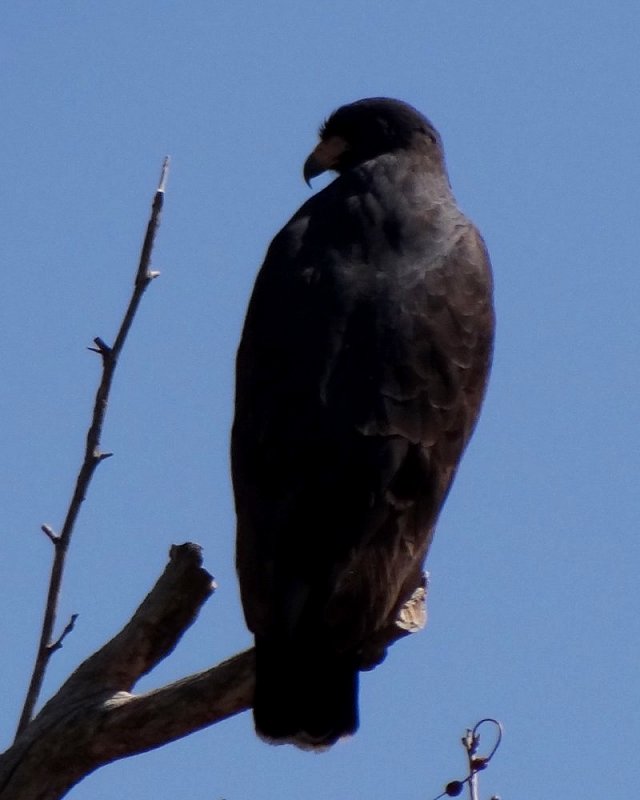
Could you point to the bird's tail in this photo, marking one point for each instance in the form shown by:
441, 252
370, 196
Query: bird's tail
304, 695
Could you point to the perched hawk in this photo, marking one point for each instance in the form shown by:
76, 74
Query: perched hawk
360, 374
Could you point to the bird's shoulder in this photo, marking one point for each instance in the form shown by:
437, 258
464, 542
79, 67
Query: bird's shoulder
386, 218
386, 244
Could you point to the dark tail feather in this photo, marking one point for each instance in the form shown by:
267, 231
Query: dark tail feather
304, 695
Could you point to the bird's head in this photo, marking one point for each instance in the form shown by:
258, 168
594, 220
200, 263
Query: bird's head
368, 128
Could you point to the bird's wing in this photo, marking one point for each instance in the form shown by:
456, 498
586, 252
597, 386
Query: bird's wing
359, 377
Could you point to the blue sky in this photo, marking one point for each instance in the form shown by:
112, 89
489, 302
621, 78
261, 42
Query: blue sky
535, 595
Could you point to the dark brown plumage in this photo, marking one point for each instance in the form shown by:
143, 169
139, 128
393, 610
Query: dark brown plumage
360, 375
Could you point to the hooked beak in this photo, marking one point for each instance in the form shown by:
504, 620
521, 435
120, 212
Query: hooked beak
326, 156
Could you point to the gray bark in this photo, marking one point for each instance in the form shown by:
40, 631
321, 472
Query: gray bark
95, 719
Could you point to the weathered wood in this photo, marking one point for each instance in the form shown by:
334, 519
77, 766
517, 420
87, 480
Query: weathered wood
94, 719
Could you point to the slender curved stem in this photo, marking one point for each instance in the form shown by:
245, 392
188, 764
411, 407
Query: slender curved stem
92, 457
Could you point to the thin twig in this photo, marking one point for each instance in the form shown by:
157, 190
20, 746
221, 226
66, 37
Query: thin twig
67, 630
50, 533
471, 742
92, 455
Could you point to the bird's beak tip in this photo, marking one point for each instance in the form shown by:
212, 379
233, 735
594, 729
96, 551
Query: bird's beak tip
325, 157
311, 169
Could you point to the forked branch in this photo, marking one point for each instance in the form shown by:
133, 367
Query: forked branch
94, 719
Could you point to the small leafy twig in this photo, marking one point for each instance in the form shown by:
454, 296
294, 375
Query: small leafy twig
471, 742
92, 457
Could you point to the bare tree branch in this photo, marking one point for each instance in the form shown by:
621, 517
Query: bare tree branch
93, 719
92, 457
152, 633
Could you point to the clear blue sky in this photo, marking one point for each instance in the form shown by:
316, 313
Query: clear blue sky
534, 609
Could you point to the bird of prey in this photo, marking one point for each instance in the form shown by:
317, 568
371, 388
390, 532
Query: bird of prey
360, 374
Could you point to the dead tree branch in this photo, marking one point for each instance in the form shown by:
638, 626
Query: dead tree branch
94, 719
92, 457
